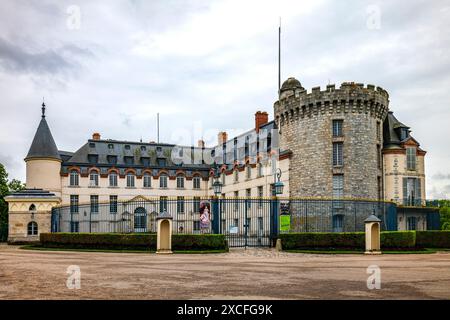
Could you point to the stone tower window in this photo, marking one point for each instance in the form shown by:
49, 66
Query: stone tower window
337, 128
32, 208
338, 157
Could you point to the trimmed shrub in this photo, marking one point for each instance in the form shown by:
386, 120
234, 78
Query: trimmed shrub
398, 239
313, 240
345, 240
99, 241
433, 239
137, 241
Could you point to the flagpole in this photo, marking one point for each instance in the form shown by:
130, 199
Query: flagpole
279, 59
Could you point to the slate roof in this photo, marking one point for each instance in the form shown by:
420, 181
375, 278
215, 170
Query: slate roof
32, 193
43, 145
391, 134
103, 150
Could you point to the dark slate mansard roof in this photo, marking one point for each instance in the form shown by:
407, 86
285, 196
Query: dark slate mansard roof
392, 128
100, 150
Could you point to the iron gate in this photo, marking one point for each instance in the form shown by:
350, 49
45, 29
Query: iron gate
246, 222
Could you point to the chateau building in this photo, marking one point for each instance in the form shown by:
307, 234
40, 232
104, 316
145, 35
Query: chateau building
339, 143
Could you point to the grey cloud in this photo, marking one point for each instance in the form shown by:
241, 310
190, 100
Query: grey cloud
52, 61
441, 176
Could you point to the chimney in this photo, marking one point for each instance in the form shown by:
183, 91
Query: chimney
223, 137
96, 136
201, 143
261, 118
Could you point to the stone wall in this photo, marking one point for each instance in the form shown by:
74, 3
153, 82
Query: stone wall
305, 122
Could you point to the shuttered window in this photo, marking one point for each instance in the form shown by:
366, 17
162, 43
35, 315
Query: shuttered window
411, 158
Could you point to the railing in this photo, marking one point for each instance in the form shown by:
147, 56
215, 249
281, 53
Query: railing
413, 202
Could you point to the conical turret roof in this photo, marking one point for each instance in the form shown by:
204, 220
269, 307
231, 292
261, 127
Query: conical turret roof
43, 145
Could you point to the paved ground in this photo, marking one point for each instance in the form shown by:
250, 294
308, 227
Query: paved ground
250, 274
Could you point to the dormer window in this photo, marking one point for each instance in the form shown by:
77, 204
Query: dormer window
110, 146
91, 145
145, 161
93, 158
128, 160
143, 148
127, 147
112, 159
404, 133
161, 162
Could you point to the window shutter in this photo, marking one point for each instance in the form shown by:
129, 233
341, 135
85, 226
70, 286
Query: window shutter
418, 191
405, 190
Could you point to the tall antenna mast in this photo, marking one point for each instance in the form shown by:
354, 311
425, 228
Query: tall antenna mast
157, 126
279, 59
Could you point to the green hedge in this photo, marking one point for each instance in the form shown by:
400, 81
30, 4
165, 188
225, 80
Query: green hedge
433, 239
398, 239
312, 240
346, 240
120, 241
199, 242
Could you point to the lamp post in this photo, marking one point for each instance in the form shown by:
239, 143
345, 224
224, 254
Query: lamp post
277, 190
217, 188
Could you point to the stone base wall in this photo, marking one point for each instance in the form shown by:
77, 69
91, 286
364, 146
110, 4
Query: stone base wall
18, 226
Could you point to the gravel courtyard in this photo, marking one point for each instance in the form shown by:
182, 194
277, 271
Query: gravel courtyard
240, 274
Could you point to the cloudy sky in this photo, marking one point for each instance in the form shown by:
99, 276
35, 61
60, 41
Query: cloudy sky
207, 66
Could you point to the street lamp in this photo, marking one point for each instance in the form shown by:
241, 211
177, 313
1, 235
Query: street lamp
217, 185
217, 188
278, 185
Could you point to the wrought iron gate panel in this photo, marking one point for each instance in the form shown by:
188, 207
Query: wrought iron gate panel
246, 222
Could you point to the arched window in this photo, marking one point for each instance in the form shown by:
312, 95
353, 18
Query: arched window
113, 179
196, 182
32, 228
180, 181
130, 180
93, 179
163, 181
32, 207
74, 178
147, 180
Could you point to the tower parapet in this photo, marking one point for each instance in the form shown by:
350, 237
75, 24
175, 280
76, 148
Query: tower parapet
310, 125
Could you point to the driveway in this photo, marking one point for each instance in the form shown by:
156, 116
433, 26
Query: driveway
240, 274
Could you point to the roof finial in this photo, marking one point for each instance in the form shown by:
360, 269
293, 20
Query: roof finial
43, 108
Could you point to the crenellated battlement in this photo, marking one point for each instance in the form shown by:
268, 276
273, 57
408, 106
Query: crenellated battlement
350, 97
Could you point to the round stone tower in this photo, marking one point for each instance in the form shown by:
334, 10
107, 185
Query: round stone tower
335, 137
43, 162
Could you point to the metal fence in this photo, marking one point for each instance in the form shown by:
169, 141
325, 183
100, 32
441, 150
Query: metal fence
244, 221
337, 215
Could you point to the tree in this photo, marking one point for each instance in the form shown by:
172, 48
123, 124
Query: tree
445, 215
6, 187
